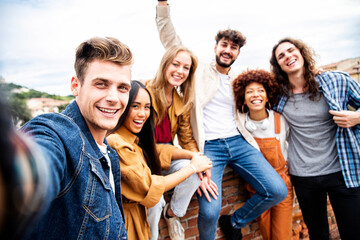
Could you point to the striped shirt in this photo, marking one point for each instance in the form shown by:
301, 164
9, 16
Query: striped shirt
340, 90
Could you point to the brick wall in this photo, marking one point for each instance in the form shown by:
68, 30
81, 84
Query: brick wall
234, 196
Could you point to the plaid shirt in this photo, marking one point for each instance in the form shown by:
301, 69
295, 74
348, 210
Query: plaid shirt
340, 90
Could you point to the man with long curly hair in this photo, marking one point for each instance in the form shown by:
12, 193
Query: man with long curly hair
324, 140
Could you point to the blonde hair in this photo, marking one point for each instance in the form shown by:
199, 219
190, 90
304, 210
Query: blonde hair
186, 89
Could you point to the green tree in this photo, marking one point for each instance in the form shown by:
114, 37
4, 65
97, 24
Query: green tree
19, 110
62, 107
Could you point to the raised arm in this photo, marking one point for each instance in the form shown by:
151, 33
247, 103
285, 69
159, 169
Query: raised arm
167, 33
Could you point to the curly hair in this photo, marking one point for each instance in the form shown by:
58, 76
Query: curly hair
259, 76
232, 35
309, 66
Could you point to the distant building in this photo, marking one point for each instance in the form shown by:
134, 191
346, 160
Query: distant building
350, 66
20, 90
39, 106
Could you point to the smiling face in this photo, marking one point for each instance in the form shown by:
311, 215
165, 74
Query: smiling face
226, 52
102, 96
179, 69
289, 58
139, 112
255, 97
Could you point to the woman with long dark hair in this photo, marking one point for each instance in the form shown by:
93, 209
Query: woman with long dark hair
141, 161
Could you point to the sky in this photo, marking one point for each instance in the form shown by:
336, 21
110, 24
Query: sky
39, 37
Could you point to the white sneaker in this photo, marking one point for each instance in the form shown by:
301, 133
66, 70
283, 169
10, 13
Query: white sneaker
176, 231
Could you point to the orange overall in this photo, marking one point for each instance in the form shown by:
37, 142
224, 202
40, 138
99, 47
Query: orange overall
276, 222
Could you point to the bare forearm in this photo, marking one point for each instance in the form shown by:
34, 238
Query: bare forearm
182, 154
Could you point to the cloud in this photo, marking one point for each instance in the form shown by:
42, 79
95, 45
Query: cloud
39, 37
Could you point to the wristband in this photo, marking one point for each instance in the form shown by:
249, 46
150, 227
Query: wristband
193, 167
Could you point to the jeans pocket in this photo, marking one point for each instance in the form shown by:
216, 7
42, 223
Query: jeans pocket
97, 200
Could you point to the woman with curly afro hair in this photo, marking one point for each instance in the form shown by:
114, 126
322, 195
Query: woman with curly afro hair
255, 92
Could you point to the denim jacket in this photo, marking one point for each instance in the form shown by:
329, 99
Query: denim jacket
81, 203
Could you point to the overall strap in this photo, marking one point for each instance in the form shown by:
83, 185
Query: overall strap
277, 122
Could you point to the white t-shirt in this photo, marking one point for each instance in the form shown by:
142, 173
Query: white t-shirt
103, 149
269, 131
219, 119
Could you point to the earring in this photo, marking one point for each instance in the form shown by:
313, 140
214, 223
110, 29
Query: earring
269, 105
243, 108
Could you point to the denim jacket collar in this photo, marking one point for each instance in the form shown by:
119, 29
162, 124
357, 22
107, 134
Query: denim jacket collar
73, 112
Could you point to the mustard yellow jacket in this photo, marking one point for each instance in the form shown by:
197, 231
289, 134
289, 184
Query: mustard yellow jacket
140, 188
179, 121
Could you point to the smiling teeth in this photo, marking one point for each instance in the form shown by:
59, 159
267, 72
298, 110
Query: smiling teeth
107, 110
291, 62
138, 121
256, 101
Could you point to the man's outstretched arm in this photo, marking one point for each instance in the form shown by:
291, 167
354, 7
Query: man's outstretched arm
167, 33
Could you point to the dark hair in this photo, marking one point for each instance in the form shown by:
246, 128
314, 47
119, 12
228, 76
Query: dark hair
106, 49
7, 166
309, 66
260, 76
23, 195
147, 134
232, 35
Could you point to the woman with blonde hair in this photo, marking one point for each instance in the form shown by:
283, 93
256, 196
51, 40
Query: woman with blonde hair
174, 80
172, 92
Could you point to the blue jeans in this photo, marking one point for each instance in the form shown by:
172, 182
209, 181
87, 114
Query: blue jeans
250, 164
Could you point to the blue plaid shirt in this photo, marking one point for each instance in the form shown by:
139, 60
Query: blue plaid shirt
340, 90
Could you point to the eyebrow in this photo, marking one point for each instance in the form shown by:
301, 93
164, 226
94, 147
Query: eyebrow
177, 61
279, 55
140, 103
108, 81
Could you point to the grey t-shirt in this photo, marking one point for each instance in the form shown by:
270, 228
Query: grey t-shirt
312, 141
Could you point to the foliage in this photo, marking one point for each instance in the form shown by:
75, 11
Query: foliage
31, 93
17, 100
62, 107
19, 110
